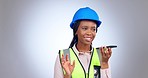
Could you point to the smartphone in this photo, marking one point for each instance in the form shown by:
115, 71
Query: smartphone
110, 46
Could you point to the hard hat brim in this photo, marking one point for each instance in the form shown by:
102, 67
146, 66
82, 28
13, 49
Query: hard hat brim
97, 22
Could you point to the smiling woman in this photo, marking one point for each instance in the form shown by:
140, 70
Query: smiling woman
82, 60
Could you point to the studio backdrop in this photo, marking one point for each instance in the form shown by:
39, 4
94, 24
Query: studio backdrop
33, 31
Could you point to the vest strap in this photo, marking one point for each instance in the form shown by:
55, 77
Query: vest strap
99, 54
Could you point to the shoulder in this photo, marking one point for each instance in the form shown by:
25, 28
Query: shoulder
64, 50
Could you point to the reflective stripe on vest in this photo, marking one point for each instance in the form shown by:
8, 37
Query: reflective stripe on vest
79, 71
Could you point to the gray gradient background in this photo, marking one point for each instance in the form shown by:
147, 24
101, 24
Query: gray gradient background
32, 32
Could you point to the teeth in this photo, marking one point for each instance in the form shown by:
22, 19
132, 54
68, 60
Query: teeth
88, 39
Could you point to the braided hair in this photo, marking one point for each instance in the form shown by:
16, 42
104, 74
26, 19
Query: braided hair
75, 37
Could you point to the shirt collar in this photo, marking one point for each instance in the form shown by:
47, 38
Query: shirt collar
80, 53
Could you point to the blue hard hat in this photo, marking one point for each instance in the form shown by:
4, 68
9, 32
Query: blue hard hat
85, 14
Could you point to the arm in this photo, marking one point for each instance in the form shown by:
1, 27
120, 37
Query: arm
58, 73
105, 55
105, 73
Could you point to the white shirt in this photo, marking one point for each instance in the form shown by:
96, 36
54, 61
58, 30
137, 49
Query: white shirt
84, 58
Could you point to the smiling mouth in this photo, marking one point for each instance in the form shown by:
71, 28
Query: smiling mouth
88, 39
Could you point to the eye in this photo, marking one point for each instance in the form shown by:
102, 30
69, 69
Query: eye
94, 29
84, 28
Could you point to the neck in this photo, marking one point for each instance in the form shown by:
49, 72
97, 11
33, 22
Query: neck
83, 47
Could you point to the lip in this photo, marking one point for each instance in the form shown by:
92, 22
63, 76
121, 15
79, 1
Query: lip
87, 37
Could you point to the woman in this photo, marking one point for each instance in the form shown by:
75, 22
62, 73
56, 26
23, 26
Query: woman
81, 60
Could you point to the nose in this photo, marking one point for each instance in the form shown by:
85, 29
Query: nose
89, 32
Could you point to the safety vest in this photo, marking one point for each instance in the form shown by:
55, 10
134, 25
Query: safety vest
79, 72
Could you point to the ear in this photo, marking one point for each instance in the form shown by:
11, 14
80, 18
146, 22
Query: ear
76, 33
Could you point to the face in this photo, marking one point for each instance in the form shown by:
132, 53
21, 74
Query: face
86, 32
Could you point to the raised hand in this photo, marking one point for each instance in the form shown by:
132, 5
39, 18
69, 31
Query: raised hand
67, 66
105, 55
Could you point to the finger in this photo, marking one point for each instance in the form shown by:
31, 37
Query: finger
62, 60
110, 51
107, 54
104, 51
101, 49
67, 59
73, 64
62, 57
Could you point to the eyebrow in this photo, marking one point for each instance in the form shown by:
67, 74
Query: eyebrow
93, 26
88, 26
